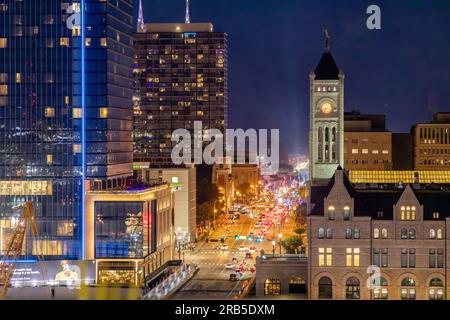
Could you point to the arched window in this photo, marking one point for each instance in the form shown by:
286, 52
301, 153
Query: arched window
321, 233
346, 213
402, 214
384, 233
348, 233
404, 233
436, 290
439, 234
331, 213
329, 233
352, 288
408, 213
297, 285
412, 233
413, 213
272, 286
376, 233
380, 289
357, 233
432, 234
325, 288
408, 292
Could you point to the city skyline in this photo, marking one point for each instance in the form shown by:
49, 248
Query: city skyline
367, 58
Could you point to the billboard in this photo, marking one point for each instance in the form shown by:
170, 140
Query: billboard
70, 273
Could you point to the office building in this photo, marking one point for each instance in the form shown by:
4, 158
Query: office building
367, 143
432, 143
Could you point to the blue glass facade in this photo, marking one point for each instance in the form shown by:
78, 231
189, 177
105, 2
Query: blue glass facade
44, 108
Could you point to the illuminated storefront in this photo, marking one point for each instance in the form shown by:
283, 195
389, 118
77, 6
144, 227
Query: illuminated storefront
126, 230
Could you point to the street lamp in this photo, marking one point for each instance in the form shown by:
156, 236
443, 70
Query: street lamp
279, 237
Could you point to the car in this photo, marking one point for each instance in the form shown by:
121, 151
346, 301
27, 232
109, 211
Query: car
252, 249
241, 248
252, 269
248, 255
224, 247
233, 277
234, 260
228, 266
251, 234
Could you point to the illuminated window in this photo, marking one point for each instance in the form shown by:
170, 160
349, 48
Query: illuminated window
384, 233
385, 151
18, 77
346, 213
331, 213
103, 112
325, 257
352, 288
375, 151
87, 42
76, 32
49, 159
34, 31
47, 247
49, 112
3, 43
352, 257
66, 100
436, 290
365, 151
77, 148
103, 42
355, 151
380, 289
77, 113
65, 228
439, 234
408, 293
272, 286
402, 214
376, 233
64, 42
3, 90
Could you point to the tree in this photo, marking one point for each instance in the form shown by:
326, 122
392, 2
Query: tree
292, 244
205, 212
206, 191
301, 231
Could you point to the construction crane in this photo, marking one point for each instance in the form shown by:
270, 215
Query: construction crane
14, 248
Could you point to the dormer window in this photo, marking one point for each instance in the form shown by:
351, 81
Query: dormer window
346, 213
435, 215
384, 233
331, 213
408, 213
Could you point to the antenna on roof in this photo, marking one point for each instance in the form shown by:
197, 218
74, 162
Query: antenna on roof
187, 19
140, 22
327, 39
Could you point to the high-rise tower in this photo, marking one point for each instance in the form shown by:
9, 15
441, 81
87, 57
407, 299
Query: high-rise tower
326, 135
187, 18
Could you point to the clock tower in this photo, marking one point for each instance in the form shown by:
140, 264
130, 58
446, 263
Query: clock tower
326, 131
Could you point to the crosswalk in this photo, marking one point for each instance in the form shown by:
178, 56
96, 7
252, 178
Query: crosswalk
221, 251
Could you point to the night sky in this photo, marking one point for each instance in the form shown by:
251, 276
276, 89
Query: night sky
402, 70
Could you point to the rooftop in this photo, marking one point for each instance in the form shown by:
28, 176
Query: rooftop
179, 27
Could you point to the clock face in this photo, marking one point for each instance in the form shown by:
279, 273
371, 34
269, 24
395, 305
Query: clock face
326, 107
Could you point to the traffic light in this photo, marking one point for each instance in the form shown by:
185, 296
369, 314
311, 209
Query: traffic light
236, 237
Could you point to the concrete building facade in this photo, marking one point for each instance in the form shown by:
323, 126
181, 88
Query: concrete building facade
378, 244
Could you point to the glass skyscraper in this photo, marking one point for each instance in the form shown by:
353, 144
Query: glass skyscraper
65, 113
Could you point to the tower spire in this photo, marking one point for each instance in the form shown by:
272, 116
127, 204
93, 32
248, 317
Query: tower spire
327, 39
140, 22
187, 19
